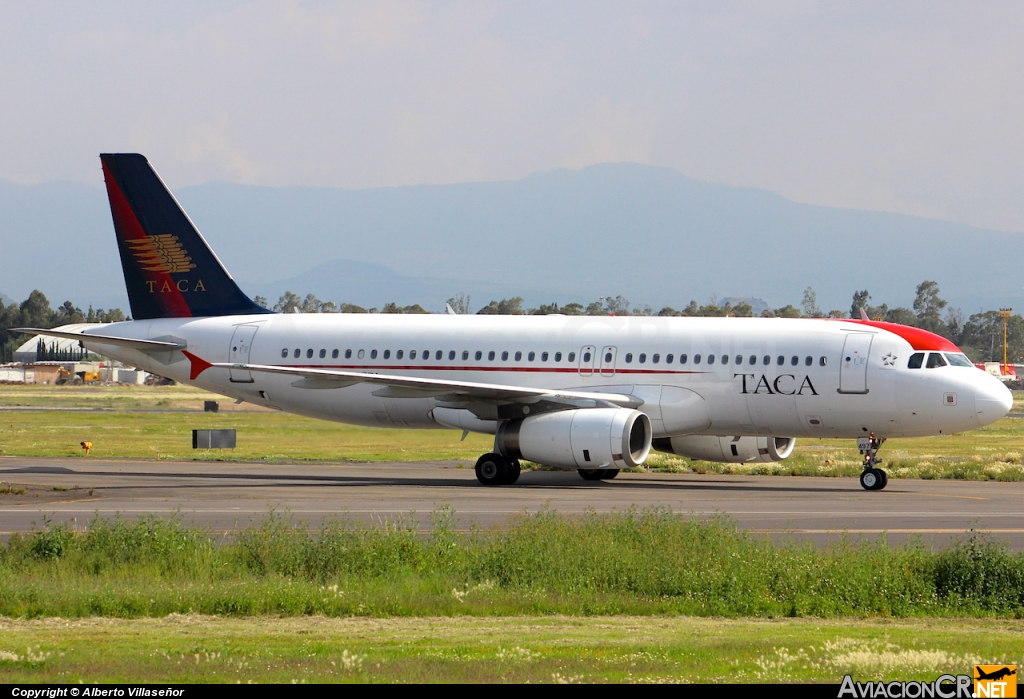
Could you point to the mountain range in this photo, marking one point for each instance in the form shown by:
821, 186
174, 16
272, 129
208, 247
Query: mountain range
648, 233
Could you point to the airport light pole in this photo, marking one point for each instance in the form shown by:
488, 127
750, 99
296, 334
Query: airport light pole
1005, 314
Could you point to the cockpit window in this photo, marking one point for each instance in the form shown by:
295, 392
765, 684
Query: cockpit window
935, 360
916, 360
957, 359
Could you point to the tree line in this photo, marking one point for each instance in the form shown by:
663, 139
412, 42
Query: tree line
979, 335
35, 312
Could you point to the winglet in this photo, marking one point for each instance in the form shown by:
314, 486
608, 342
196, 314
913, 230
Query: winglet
199, 365
863, 313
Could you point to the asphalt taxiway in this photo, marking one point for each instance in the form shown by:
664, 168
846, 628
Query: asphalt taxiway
227, 496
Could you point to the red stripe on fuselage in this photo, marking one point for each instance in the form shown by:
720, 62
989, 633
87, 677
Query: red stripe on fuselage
919, 339
127, 227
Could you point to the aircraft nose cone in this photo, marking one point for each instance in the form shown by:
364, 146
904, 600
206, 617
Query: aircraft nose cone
992, 400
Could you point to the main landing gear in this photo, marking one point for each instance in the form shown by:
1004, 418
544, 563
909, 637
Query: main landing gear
495, 469
871, 478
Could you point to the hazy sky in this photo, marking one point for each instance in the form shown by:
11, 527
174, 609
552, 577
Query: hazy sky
914, 107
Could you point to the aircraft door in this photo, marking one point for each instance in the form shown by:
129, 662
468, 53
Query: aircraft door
608, 361
587, 360
853, 366
238, 353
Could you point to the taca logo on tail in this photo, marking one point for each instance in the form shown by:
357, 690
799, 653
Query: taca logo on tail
169, 269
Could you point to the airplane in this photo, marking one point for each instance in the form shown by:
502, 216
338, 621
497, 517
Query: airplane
590, 393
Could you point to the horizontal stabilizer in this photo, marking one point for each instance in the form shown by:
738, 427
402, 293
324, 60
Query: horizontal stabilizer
141, 345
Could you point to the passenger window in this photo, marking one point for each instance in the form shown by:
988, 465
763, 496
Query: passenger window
629, 357
465, 355
412, 354
794, 360
808, 361
438, 355
669, 358
479, 355
361, 353
323, 353
373, 354
519, 356
284, 354
935, 360
531, 356
586, 356
739, 359
608, 358
543, 356
490, 356
780, 360
571, 357
696, 359
387, 354
348, 354
711, 359
725, 359
823, 361
642, 358
504, 356
558, 356
752, 360
426, 355
399, 353
682, 359
297, 353
334, 354
309, 354
916, 360
655, 358
451, 355
766, 360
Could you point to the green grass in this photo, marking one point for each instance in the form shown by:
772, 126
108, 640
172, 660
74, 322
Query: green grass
650, 562
134, 430
194, 648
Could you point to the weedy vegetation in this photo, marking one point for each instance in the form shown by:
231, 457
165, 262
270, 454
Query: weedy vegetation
634, 562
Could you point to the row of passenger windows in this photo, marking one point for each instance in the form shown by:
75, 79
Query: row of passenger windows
544, 356
724, 359
438, 355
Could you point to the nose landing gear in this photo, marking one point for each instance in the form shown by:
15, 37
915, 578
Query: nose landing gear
872, 478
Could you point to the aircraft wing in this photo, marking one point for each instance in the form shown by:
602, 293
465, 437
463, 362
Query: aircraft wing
144, 345
413, 386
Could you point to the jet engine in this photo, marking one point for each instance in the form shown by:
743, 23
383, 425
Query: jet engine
728, 449
590, 438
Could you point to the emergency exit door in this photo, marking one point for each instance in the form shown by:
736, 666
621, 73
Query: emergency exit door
853, 367
241, 344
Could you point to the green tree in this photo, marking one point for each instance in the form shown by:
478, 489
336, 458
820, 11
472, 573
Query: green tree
573, 309
505, 307
787, 311
288, 303
260, 301
860, 301
460, 303
903, 316
928, 307
810, 304
352, 308
546, 309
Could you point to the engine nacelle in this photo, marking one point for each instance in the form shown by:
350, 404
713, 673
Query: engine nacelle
588, 438
728, 449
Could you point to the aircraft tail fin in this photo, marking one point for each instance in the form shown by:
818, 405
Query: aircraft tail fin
169, 269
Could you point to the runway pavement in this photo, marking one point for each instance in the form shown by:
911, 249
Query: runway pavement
226, 496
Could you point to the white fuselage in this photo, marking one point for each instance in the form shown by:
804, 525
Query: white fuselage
791, 377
